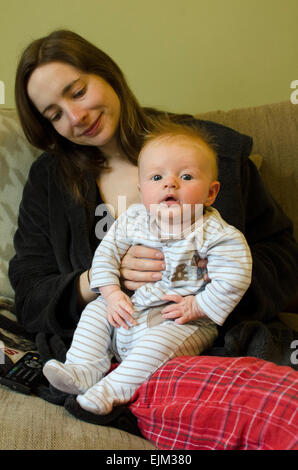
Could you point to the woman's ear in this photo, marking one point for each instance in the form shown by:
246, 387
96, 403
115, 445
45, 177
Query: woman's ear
213, 192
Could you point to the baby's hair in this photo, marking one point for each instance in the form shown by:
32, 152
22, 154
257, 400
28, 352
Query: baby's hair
166, 129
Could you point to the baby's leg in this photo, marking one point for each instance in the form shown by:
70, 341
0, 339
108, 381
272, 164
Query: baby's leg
87, 360
158, 345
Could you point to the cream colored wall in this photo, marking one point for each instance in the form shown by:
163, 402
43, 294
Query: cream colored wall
179, 55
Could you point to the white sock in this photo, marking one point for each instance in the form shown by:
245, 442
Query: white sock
98, 399
71, 378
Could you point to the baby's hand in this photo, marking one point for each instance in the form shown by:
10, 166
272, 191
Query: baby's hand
185, 309
120, 310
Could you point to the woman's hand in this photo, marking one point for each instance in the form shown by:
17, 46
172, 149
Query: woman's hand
141, 265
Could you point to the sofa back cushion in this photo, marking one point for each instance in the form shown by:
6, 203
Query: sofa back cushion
16, 156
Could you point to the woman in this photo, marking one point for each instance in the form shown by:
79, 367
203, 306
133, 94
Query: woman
74, 103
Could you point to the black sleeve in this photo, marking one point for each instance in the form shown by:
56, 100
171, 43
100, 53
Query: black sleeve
45, 284
269, 233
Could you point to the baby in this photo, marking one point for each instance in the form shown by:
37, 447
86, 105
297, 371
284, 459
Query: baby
178, 315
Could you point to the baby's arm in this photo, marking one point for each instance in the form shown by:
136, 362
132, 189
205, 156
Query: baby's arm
120, 309
229, 270
105, 271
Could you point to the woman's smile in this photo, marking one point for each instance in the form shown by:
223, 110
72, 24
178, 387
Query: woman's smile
93, 129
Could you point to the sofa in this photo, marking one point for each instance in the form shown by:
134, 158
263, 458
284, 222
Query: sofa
29, 422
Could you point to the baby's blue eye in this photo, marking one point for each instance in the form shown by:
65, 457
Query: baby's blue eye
186, 177
156, 177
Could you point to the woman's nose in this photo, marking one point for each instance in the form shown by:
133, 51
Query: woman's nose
76, 114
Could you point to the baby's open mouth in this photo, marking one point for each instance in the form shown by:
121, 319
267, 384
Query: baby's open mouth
170, 200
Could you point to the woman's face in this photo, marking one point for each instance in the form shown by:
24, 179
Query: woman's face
82, 107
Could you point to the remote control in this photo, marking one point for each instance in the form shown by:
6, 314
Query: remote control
25, 374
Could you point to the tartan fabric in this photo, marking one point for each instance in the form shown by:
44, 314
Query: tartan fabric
219, 403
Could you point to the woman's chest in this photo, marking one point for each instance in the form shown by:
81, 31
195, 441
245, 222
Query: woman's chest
119, 187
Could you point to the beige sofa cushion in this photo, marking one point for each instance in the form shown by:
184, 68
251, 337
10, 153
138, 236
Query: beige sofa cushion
27, 422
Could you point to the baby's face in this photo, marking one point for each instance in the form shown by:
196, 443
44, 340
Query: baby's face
176, 172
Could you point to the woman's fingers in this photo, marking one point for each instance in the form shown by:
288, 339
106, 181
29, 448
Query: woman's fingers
141, 265
139, 276
142, 258
140, 251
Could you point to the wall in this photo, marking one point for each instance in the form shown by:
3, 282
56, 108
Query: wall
181, 55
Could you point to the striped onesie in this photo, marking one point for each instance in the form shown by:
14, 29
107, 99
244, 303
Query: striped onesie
144, 347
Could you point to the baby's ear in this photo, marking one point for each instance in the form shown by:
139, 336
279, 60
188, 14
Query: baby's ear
139, 187
213, 192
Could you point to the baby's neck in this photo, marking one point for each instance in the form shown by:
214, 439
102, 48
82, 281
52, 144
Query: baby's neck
177, 229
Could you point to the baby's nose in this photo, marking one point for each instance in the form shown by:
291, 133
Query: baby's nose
170, 182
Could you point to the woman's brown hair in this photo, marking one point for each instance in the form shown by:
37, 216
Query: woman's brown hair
76, 161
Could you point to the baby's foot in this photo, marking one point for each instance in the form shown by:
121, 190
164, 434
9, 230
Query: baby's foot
68, 378
96, 400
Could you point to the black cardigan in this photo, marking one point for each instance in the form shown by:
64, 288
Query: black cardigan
55, 243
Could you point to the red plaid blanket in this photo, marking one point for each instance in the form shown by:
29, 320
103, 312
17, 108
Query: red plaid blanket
219, 403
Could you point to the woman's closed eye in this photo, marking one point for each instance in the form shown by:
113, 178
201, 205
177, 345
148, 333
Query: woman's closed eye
78, 94
55, 117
